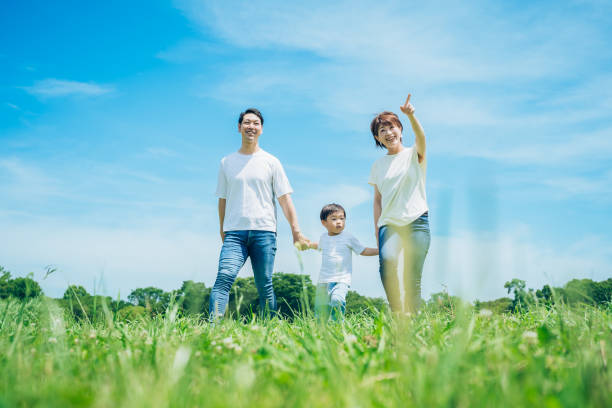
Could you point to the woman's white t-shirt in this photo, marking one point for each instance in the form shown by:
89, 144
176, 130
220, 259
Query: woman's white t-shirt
400, 179
337, 258
250, 183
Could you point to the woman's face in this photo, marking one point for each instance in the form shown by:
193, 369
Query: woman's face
389, 136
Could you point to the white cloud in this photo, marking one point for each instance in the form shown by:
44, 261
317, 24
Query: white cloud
50, 88
147, 255
365, 61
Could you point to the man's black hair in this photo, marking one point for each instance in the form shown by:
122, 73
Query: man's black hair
254, 112
330, 209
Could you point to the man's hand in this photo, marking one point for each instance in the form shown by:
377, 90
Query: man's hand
300, 242
407, 108
222, 235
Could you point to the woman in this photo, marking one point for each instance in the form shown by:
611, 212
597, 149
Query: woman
400, 208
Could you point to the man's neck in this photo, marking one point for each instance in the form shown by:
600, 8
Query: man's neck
249, 148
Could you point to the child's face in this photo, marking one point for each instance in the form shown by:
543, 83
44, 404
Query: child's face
334, 223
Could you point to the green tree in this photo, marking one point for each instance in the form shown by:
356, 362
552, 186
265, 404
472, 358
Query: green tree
501, 305
442, 301
24, 288
154, 300
522, 298
357, 304
131, 313
194, 297
5, 278
602, 292
77, 301
293, 293
243, 298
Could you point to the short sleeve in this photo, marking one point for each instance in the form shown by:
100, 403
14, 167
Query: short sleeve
322, 241
280, 182
372, 180
355, 245
221, 183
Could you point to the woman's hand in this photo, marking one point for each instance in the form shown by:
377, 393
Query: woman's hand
407, 108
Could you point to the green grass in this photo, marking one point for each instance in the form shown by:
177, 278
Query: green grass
551, 358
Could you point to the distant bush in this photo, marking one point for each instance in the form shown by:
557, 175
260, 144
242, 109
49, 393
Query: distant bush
20, 288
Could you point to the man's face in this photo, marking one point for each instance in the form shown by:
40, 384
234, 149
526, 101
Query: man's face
334, 222
250, 128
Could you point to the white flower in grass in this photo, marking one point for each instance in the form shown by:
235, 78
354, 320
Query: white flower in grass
485, 313
228, 342
350, 338
92, 334
530, 336
52, 340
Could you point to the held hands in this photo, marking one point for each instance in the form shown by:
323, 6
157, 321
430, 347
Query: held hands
407, 108
300, 242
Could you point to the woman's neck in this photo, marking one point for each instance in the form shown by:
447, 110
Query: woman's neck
395, 149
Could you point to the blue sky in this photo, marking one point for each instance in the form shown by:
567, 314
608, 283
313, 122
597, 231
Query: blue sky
113, 119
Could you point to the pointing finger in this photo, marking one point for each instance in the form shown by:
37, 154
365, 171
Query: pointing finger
407, 100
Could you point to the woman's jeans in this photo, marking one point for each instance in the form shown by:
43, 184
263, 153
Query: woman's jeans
237, 247
330, 297
407, 244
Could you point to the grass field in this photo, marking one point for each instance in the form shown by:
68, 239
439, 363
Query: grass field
550, 358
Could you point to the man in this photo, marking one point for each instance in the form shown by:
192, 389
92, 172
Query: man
249, 181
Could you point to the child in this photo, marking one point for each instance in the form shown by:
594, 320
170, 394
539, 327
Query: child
336, 264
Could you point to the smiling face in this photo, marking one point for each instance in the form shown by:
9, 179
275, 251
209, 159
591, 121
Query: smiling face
334, 223
250, 128
389, 136
387, 131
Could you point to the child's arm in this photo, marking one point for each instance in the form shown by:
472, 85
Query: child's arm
313, 245
369, 252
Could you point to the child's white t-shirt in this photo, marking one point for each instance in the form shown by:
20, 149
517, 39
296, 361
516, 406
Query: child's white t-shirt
336, 257
250, 183
400, 178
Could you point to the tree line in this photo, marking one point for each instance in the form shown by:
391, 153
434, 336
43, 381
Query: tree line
295, 294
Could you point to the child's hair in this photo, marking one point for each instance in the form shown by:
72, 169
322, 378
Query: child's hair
330, 209
385, 118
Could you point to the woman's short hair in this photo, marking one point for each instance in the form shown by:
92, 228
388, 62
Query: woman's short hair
385, 118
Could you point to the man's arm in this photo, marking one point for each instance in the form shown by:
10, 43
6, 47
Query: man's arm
291, 216
377, 211
221, 217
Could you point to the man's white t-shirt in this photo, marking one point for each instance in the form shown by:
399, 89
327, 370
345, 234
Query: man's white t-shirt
400, 179
336, 257
250, 183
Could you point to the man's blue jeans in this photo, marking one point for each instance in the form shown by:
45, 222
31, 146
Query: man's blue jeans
330, 297
408, 243
260, 246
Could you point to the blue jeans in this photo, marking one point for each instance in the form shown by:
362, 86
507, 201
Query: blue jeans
330, 297
260, 246
408, 243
